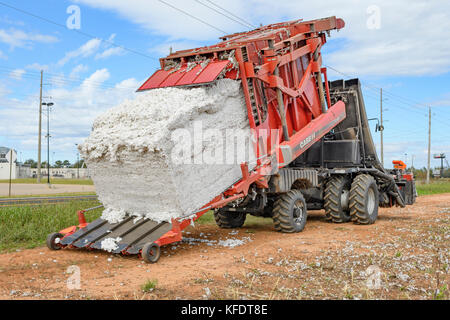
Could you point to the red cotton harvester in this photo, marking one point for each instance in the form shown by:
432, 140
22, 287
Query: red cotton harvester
314, 146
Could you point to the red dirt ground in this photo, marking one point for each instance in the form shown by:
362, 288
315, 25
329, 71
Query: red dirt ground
409, 247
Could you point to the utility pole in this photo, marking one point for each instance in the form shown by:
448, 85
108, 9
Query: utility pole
429, 144
48, 104
40, 129
381, 126
78, 162
48, 144
10, 169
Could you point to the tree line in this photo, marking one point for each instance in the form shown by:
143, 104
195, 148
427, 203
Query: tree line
58, 164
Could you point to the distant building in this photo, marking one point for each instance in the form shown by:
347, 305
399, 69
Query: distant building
8, 163
64, 173
436, 173
19, 171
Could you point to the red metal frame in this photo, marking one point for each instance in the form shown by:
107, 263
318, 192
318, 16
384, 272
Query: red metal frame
280, 68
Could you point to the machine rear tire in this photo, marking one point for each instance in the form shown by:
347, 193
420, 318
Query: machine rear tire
364, 200
336, 199
151, 252
229, 219
53, 241
290, 212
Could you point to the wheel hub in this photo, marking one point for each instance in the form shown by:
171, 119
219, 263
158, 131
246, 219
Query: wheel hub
370, 201
344, 199
298, 212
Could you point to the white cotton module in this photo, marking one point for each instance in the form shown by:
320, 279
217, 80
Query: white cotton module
142, 164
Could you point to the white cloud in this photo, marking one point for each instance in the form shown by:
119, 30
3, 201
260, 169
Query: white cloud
92, 47
74, 111
405, 44
114, 51
164, 20
97, 77
37, 67
410, 40
7, 20
87, 49
443, 101
17, 74
3, 56
81, 68
18, 38
163, 49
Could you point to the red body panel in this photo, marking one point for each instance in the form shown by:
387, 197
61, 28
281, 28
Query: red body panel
181, 77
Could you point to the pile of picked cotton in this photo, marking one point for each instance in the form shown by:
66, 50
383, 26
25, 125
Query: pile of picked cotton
170, 151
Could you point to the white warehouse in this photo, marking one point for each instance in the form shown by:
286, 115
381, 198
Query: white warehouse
6, 165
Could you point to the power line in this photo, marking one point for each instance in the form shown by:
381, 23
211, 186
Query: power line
193, 17
235, 20
62, 80
397, 97
85, 34
394, 97
231, 13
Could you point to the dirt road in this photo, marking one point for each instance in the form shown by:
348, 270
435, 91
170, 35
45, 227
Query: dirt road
405, 255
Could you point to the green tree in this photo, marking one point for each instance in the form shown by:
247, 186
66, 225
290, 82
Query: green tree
78, 164
31, 163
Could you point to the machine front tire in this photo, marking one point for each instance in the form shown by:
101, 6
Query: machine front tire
364, 200
53, 240
151, 252
229, 219
336, 199
290, 212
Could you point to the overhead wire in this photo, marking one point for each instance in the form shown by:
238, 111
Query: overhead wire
85, 34
221, 13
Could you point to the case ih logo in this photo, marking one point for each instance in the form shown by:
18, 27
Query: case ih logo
307, 140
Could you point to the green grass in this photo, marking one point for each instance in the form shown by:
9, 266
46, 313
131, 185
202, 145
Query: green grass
28, 226
435, 187
149, 285
52, 181
50, 195
250, 221
207, 218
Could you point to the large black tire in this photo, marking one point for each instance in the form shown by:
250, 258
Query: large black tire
364, 200
229, 219
290, 212
336, 199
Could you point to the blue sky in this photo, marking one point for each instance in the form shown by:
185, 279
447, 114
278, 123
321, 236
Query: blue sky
406, 52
